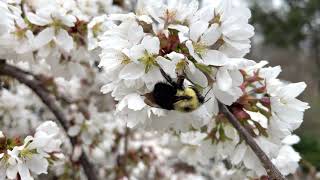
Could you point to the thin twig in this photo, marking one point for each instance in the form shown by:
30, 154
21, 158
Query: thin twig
51, 102
270, 168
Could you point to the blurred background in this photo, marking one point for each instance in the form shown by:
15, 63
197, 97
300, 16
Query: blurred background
288, 34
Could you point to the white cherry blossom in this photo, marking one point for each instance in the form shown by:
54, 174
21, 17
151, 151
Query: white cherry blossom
55, 18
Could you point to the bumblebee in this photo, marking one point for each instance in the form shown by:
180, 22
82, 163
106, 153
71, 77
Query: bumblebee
172, 95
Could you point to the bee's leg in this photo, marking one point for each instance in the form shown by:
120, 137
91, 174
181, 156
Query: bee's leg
179, 98
207, 100
167, 77
208, 92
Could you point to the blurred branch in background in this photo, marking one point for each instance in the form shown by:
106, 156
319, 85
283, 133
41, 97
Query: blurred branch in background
50, 101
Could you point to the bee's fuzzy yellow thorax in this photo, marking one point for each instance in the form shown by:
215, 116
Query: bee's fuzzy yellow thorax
187, 105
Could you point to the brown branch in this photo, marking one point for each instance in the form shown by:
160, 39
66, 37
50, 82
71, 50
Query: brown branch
126, 148
47, 98
270, 168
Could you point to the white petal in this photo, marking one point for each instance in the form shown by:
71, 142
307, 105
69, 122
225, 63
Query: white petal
292, 90
74, 130
214, 58
180, 28
168, 66
212, 104
49, 127
292, 117
297, 104
135, 53
12, 172
151, 44
24, 172
135, 102
44, 37
152, 77
105, 89
40, 141
258, 117
192, 52
176, 56
251, 161
238, 32
38, 164
239, 154
132, 71
192, 138
291, 140
53, 146
224, 80
237, 77
110, 60
135, 33
110, 65
270, 72
64, 40
223, 96
198, 77
211, 36
134, 118
69, 20
145, 19
35, 19
197, 29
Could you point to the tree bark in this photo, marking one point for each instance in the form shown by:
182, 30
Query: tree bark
270, 168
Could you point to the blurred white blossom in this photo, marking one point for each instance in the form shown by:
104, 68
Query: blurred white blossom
32, 158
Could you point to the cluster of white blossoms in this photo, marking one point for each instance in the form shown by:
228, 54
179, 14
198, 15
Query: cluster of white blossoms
175, 36
52, 35
22, 160
75, 47
19, 109
207, 44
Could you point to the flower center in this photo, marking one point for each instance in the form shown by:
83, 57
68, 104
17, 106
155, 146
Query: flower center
57, 24
27, 153
148, 60
199, 48
96, 29
170, 16
20, 33
216, 19
125, 59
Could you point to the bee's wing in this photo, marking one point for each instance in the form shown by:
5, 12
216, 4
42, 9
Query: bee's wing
149, 100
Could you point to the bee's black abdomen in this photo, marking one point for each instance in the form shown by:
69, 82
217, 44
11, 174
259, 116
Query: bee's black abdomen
164, 95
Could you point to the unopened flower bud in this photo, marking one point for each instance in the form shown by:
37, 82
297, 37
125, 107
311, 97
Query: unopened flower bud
240, 113
3, 141
265, 101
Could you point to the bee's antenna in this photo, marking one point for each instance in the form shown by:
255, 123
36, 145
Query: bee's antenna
166, 76
208, 92
206, 95
206, 100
